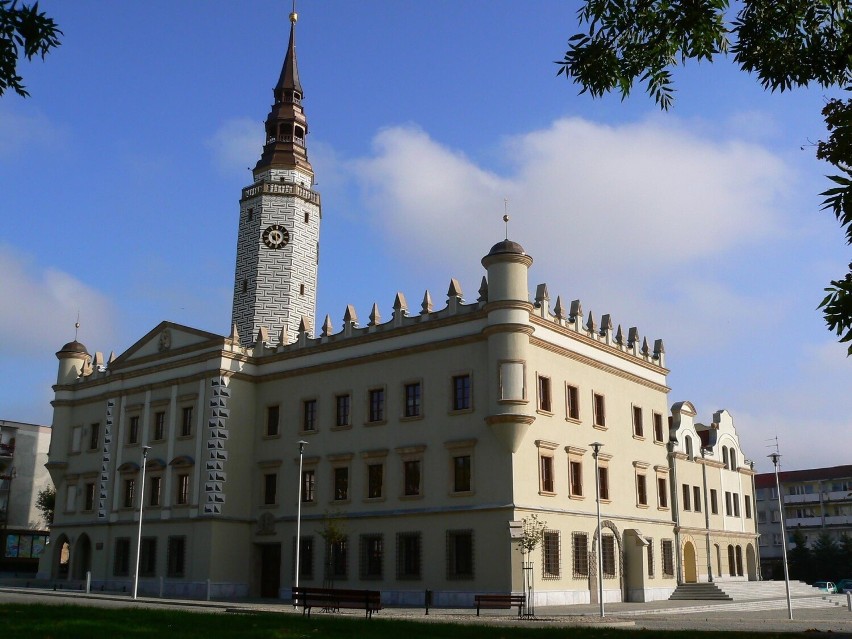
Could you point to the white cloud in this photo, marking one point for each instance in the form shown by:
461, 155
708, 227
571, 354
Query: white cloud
27, 130
38, 308
233, 142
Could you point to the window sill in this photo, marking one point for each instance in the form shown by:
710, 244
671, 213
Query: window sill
313, 431
341, 501
343, 427
665, 508
659, 443
275, 436
547, 493
183, 437
639, 437
577, 497
411, 418
460, 411
373, 500
542, 411
573, 420
378, 422
268, 506
462, 493
642, 506
411, 497
599, 426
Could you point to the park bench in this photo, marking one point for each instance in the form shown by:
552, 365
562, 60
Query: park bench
333, 599
500, 601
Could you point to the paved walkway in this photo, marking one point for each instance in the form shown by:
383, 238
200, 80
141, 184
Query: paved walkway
810, 614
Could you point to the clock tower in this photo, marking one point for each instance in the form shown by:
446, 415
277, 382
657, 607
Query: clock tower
275, 283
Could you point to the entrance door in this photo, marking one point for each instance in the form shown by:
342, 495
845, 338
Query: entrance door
690, 572
270, 570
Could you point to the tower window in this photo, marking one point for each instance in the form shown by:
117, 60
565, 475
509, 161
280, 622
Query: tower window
301, 289
307, 217
245, 285
250, 213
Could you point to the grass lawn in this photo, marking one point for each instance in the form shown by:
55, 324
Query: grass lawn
79, 622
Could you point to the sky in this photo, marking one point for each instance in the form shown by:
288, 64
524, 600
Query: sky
121, 175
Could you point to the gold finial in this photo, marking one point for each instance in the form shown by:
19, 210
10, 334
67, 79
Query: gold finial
77, 326
293, 15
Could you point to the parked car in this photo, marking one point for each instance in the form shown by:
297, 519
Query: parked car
844, 585
826, 586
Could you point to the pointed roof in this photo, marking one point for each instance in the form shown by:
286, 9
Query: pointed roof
289, 78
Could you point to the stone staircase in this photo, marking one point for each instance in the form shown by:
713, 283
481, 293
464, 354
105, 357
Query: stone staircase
742, 591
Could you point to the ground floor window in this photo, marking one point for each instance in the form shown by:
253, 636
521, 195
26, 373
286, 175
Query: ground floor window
409, 550
337, 564
550, 550
608, 556
121, 559
668, 558
148, 557
176, 557
580, 552
306, 557
459, 554
372, 556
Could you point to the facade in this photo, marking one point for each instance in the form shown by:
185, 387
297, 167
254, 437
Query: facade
427, 437
23, 531
815, 500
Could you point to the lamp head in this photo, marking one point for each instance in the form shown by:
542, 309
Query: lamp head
302, 444
775, 457
596, 446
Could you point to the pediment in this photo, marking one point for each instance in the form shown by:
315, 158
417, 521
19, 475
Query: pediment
165, 338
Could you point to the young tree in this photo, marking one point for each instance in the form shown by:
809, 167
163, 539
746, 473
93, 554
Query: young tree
25, 27
46, 503
333, 533
800, 558
826, 556
786, 43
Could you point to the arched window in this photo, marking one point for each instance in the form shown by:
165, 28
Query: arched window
739, 552
725, 456
732, 561
688, 444
733, 459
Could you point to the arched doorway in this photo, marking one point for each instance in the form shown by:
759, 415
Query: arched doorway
62, 558
690, 569
718, 572
751, 563
732, 561
739, 554
82, 557
613, 562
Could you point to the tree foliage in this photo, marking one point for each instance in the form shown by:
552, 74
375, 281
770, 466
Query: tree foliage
785, 43
23, 29
533, 533
46, 503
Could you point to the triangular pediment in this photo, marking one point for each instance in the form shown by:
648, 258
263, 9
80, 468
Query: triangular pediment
166, 338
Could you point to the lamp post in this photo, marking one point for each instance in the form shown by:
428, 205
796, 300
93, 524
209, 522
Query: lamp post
302, 444
775, 457
145, 450
596, 446
704, 451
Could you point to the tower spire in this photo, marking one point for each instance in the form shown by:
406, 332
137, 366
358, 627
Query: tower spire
286, 125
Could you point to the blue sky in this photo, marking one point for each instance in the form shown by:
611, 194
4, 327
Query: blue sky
121, 177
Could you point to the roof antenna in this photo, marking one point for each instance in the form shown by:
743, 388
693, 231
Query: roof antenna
775, 444
506, 215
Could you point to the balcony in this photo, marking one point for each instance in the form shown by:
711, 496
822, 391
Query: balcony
7, 450
839, 520
839, 495
810, 498
281, 188
805, 522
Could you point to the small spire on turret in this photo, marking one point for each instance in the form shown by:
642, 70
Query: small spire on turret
619, 336
558, 309
426, 305
632, 336
483, 291
590, 324
576, 311
455, 289
350, 317
327, 327
375, 316
400, 305
283, 337
645, 349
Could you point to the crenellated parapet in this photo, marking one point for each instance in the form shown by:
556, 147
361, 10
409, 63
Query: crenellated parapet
605, 333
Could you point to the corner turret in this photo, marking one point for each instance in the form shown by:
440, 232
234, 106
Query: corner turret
72, 360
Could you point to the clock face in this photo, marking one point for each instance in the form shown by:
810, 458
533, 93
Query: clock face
276, 236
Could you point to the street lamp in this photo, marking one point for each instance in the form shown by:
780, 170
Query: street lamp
596, 446
704, 451
775, 457
302, 444
145, 450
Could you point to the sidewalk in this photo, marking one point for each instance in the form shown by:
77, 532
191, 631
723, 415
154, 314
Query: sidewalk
818, 614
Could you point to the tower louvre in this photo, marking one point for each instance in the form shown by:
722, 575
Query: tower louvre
275, 281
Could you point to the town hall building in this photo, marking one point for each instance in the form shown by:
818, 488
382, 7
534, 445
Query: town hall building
429, 436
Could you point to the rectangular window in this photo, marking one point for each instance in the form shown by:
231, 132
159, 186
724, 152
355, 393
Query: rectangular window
70, 498
546, 474
603, 478
411, 477
459, 554
761, 517
148, 557
461, 392
580, 552
687, 497
572, 402
668, 558
658, 427
550, 554
154, 491
747, 499
375, 479
461, 473
608, 556
182, 494
306, 556
696, 498
272, 413
76, 438
575, 471
736, 499
372, 555
714, 502
600, 410
641, 490
94, 436
650, 548
309, 414
408, 556
338, 551
638, 428
270, 488
412, 400
186, 421
159, 425
728, 507
176, 560
342, 417
377, 405
341, 483
121, 562
133, 431
662, 492
308, 485
89, 497
129, 490
544, 400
